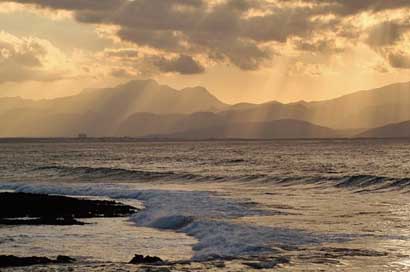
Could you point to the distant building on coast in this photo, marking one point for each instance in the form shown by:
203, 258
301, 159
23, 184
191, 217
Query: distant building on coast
82, 136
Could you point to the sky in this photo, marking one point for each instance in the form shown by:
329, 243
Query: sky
240, 50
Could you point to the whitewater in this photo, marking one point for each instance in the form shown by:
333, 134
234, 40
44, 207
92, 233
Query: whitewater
333, 205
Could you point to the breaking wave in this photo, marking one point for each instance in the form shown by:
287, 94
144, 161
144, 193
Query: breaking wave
374, 183
368, 182
108, 173
206, 217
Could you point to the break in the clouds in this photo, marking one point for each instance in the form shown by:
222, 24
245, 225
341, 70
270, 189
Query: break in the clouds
27, 58
187, 36
244, 33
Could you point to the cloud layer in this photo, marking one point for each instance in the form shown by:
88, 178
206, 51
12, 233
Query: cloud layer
185, 36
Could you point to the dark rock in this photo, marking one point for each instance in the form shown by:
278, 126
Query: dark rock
60, 221
288, 247
219, 264
14, 261
154, 269
267, 264
55, 210
324, 261
353, 252
64, 259
140, 259
10, 261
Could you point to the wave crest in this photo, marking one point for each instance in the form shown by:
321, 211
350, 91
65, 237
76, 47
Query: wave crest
90, 173
369, 182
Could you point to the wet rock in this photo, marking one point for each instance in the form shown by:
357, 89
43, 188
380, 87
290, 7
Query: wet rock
267, 264
351, 252
324, 261
40, 209
11, 261
59, 221
141, 259
14, 261
218, 264
288, 247
64, 259
155, 269
332, 255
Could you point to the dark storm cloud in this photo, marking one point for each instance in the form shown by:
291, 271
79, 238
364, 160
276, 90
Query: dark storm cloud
74, 5
159, 39
183, 64
322, 45
399, 60
387, 33
344, 7
351, 7
234, 31
242, 53
177, 26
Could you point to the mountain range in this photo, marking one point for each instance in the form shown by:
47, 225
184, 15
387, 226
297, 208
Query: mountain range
398, 130
144, 108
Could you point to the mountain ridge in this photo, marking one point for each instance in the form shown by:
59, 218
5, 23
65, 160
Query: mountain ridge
145, 107
396, 130
279, 129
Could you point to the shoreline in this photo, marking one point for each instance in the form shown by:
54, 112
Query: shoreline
187, 140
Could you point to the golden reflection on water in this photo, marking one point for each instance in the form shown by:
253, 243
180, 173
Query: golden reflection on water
376, 225
378, 222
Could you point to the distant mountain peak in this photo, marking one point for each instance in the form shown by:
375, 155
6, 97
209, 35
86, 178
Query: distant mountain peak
150, 84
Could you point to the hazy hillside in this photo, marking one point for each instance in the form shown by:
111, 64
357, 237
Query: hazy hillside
398, 130
13, 103
364, 109
262, 130
267, 112
136, 96
100, 112
142, 124
144, 107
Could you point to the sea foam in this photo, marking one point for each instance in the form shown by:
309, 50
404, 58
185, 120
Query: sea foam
202, 215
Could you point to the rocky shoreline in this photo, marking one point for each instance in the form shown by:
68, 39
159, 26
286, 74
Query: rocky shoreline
41, 209
14, 261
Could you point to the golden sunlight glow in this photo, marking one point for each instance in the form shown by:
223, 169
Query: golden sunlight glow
258, 67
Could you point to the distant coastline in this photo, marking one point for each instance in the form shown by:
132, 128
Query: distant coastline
145, 140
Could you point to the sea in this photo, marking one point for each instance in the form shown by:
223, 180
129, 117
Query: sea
320, 205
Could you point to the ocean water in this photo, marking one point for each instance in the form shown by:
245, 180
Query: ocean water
330, 205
